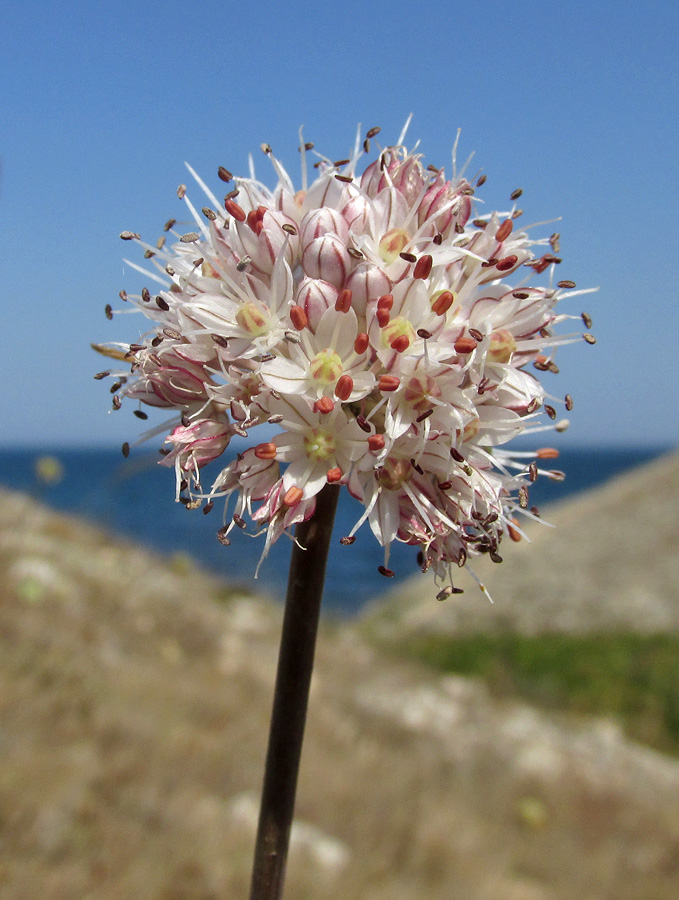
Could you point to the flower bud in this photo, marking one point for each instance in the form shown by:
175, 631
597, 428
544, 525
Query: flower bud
327, 258
366, 282
315, 296
320, 222
198, 444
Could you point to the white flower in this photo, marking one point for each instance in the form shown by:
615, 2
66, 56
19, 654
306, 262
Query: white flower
368, 316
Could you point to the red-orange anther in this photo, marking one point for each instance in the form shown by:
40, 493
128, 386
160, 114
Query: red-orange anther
254, 219
389, 383
266, 451
383, 317
292, 496
504, 230
423, 266
507, 263
513, 533
385, 302
298, 317
376, 442
344, 387
324, 405
442, 304
236, 211
343, 302
361, 343
547, 453
399, 344
465, 345
334, 475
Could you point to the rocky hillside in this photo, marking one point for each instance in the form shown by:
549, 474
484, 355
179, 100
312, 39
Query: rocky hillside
135, 695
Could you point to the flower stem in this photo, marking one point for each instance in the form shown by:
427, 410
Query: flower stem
291, 695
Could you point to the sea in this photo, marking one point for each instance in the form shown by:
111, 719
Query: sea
135, 498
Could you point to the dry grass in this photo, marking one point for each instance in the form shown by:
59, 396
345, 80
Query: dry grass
135, 701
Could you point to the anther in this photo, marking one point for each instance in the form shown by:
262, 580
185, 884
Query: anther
507, 263
551, 412
222, 537
172, 334
347, 541
220, 341
504, 231
587, 319
481, 180
408, 257
589, 338
569, 402
373, 132
347, 179
243, 263
292, 337
383, 317
547, 453
444, 485
238, 521
181, 191
235, 210
476, 334
442, 303
532, 473
344, 387
126, 449
424, 415
388, 383
353, 252
423, 333
417, 467
122, 295
169, 224
145, 294
157, 340
554, 242
334, 475
140, 414
533, 405
567, 283
208, 507
376, 442
162, 304
438, 239
298, 317
224, 174
513, 533
266, 450
489, 262
128, 235
289, 229
520, 295
383, 570
386, 301
209, 213
457, 456
516, 194
423, 266
361, 343
464, 346
108, 310
292, 496
479, 223
363, 424
343, 302
231, 196
400, 344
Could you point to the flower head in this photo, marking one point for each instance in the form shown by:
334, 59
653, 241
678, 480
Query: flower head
369, 316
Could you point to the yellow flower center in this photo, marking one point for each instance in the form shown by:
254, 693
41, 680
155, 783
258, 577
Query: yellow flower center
392, 244
319, 444
396, 328
326, 366
252, 319
502, 346
394, 472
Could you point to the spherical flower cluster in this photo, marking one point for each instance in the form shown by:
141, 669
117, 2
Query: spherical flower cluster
368, 316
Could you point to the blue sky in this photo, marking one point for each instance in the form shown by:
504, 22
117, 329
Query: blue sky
576, 103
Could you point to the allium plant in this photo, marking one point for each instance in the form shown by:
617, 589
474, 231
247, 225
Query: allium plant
390, 331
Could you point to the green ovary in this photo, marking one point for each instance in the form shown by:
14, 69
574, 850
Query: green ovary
326, 367
252, 319
319, 444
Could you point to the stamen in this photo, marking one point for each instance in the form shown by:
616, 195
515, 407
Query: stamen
361, 343
423, 267
298, 317
292, 496
266, 450
344, 387
235, 210
389, 383
343, 302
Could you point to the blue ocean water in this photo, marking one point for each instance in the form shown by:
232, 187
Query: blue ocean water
134, 497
